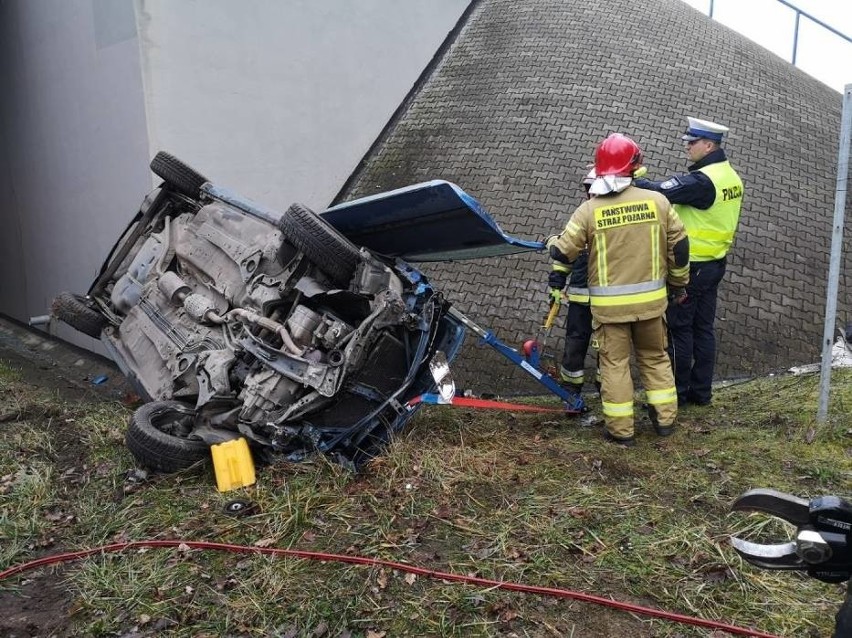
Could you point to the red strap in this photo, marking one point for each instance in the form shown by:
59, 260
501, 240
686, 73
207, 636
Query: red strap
470, 402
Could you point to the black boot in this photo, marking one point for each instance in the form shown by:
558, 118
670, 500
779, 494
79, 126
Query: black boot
574, 388
661, 430
628, 442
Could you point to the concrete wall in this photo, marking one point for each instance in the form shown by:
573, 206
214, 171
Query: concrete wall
73, 144
278, 100
281, 100
514, 111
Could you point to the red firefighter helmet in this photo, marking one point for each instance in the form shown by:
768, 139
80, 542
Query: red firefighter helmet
617, 155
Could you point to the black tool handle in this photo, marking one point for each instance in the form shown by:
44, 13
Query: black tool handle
843, 619
832, 518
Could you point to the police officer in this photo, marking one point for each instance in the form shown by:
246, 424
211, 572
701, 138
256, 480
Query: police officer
708, 200
637, 245
578, 325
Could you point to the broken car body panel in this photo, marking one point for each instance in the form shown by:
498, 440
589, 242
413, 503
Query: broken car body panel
431, 221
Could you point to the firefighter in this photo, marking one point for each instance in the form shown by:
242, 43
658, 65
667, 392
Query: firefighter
578, 325
708, 201
637, 246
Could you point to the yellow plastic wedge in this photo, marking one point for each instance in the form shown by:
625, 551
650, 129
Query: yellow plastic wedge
233, 464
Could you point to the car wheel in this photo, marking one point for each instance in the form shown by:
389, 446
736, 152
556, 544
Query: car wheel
77, 313
179, 176
330, 251
158, 437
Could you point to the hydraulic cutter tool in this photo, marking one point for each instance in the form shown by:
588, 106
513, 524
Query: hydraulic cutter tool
823, 543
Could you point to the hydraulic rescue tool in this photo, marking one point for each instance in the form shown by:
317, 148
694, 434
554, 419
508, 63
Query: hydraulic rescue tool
574, 403
533, 349
822, 547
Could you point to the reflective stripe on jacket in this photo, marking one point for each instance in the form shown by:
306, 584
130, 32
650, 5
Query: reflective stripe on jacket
630, 236
711, 231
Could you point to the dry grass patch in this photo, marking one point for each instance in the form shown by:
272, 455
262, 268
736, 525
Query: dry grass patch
519, 497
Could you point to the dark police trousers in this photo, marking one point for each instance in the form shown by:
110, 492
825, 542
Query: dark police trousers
692, 340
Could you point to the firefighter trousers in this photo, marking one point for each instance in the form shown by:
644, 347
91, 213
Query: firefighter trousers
578, 333
648, 340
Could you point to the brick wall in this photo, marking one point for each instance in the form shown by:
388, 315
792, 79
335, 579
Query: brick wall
515, 106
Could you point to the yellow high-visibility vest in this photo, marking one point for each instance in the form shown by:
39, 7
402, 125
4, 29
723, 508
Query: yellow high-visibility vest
711, 231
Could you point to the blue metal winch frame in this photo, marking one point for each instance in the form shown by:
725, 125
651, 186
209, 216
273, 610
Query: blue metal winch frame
574, 403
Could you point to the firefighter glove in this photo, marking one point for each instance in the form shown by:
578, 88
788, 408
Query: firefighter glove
677, 296
557, 279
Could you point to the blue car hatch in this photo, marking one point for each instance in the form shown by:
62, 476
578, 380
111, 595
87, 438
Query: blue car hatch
431, 221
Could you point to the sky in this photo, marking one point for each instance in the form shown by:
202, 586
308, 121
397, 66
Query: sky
771, 24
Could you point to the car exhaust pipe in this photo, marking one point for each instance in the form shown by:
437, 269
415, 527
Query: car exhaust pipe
39, 320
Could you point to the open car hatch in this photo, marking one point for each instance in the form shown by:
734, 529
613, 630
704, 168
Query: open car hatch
430, 221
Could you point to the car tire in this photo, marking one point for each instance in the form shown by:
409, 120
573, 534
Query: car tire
177, 175
152, 440
77, 313
330, 251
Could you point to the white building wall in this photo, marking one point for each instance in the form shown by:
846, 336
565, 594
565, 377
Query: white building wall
73, 144
280, 100
277, 99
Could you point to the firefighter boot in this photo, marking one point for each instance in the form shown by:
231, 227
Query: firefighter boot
628, 442
661, 430
571, 386
649, 340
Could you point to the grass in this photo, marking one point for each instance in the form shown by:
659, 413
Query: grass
513, 496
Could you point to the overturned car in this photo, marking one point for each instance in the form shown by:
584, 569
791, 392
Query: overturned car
303, 333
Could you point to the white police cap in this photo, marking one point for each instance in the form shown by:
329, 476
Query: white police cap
702, 129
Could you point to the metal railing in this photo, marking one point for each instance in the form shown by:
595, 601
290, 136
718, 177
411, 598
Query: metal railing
799, 14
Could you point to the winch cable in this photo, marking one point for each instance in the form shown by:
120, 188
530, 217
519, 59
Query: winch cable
472, 402
376, 562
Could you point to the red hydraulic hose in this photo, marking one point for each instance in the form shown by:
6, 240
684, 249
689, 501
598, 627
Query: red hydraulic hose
412, 569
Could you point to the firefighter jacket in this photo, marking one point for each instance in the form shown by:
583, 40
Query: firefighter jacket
637, 245
711, 231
